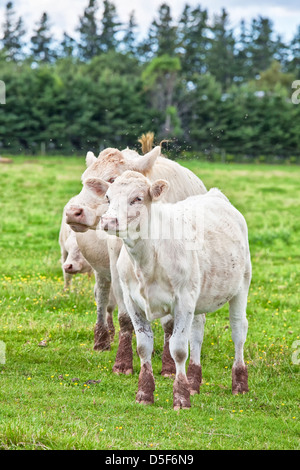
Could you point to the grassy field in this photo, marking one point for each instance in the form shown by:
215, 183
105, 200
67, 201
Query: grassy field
45, 400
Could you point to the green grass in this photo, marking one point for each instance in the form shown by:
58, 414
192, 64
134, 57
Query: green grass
44, 400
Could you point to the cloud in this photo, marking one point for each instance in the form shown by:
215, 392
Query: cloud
64, 14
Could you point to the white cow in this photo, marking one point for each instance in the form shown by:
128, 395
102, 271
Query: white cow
86, 212
72, 260
84, 252
189, 258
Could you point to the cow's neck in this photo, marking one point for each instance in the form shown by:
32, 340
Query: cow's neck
144, 251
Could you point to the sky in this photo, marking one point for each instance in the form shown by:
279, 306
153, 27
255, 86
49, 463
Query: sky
64, 14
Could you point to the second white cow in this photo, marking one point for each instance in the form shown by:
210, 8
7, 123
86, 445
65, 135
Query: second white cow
84, 252
72, 260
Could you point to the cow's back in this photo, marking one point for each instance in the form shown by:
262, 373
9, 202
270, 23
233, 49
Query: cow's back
183, 182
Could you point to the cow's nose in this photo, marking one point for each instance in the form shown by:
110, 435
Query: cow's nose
68, 267
74, 214
78, 212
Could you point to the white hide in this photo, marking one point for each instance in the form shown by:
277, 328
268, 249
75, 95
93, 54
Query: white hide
182, 276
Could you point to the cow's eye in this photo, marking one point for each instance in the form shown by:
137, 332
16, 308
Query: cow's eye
137, 199
111, 180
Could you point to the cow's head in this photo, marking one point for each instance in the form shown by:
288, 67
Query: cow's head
75, 261
129, 199
110, 164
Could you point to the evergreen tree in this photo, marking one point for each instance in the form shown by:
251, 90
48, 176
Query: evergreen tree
162, 38
262, 46
220, 57
294, 63
117, 63
193, 40
144, 49
112, 97
243, 70
41, 41
110, 27
281, 52
200, 119
68, 46
89, 43
13, 32
129, 39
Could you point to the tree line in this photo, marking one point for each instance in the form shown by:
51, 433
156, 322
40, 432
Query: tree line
212, 90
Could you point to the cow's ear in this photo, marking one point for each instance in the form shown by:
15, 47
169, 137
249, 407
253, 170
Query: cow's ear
90, 159
145, 163
96, 185
158, 189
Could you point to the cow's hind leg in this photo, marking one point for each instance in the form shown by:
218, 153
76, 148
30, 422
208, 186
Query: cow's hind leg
168, 365
239, 328
183, 317
110, 320
67, 280
124, 357
194, 372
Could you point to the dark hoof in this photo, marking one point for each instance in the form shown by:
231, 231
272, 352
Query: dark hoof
122, 369
194, 376
111, 328
144, 398
239, 379
181, 393
146, 385
168, 364
101, 338
124, 358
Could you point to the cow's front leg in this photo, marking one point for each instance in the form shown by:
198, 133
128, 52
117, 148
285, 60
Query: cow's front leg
124, 357
67, 280
67, 276
183, 316
101, 331
168, 365
144, 339
110, 320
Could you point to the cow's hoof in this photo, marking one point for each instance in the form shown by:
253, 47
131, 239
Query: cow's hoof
124, 358
124, 369
194, 376
181, 393
168, 365
239, 379
101, 338
146, 387
144, 398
